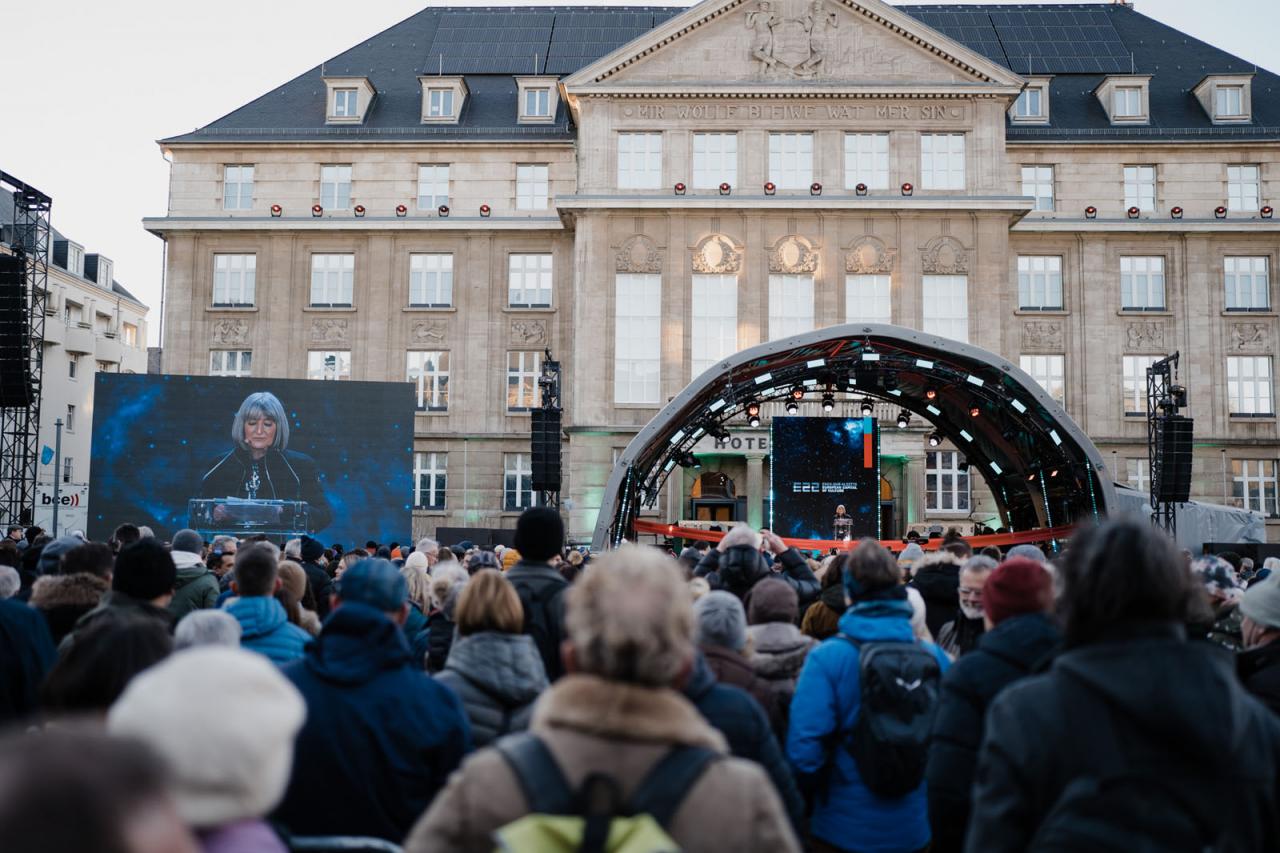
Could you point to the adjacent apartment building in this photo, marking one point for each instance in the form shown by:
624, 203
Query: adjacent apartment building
641, 191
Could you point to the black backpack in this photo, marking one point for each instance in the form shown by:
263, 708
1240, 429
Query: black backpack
542, 619
899, 684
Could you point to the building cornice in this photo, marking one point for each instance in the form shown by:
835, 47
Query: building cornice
902, 204
161, 225
809, 91
1032, 224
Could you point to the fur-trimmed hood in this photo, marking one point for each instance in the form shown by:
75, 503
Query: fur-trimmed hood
778, 650
79, 590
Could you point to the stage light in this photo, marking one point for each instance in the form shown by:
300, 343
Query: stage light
1175, 212
753, 414
1266, 211
815, 188
276, 210
679, 188
317, 210
401, 210
797, 393
485, 211
907, 189
974, 412
867, 409
860, 189
930, 394
1132, 212
904, 419
1091, 212
688, 460
725, 189
828, 402
1219, 212
935, 438
358, 210
443, 210
770, 188
792, 407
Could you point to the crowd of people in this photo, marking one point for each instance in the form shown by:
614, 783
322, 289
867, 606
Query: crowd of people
236, 696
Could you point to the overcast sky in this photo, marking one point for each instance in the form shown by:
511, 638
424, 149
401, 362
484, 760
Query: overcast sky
98, 81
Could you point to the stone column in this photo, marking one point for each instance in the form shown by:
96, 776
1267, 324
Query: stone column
755, 490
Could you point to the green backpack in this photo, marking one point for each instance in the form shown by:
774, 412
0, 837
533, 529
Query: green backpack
593, 819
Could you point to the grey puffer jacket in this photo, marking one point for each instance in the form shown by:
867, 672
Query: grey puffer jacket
497, 677
777, 655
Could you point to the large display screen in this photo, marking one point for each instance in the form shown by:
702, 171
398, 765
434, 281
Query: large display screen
821, 466
283, 457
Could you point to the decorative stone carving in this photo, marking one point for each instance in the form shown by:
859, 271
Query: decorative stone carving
793, 254
717, 255
1250, 337
1144, 336
869, 256
427, 332
638, 254
231, 331
796, 46
329, 330
529, 331
1044, 335
945, 256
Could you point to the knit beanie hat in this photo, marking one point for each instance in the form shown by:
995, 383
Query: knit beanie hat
225, 719
417, 561
539, 533
910, 555
1027, 550
721, 620
51, 556
312, 549
1217, 575
144, 570
1261, 602
188, 540
772, 600
1016, 586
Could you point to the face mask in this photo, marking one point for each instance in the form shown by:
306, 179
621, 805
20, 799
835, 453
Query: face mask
971, 612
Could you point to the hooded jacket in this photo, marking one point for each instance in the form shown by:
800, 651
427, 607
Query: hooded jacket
1174, 704
381, 737
740, 567
497, 676
63, 599
26, 656
196, 587
937, 579
778, 651
265, 628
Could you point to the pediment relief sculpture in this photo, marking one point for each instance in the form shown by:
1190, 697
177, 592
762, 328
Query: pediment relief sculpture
945, 256
869, 255
638, 254
717, 255
793, 254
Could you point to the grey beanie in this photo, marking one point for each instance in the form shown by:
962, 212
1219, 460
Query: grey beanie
910, 554
721, 620
51, 556
188, 540
1261, 602
1032, 552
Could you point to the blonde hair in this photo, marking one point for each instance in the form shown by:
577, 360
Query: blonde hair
293, 578
630, 618
445, 578
419, 583
489, 603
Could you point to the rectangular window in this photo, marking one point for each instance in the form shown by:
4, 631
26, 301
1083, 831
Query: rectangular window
130, 335
345, 103
1245, 280
1039, 282
1229, 101
1243, 188
715, 160
1030, 104
946, 478
106, 367
517, 482
75, 260
1140, 187
102, 323
640, 161
335, 187
429, 480
329, 364
71, 418
537, 103
529, 281
867, 299
72, 313
68, 468
790, 305
1135, 382
1254, 485
1249, 386
237, 187
946, 306
233, 280
637, 337
523, 370
430, 281
429, 373
230, 362
791, 160
439, 103
73, 364
1142, 283
1137, 472
866, 160
433, 186
1037, 182
942, 161
531, 187
1126, 102
332, 280
1048, 371
715, 320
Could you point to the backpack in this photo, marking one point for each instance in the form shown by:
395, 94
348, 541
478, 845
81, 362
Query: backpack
593, 819
899, 683
539, 598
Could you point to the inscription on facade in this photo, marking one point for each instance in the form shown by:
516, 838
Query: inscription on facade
905, 113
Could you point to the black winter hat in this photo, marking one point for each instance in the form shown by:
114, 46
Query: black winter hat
144, 570
539, 533
312, 549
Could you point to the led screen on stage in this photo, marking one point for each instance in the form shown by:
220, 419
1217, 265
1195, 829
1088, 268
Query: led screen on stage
818, 465
283, 457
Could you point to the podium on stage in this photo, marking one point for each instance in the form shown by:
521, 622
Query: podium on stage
842, 527
243, 517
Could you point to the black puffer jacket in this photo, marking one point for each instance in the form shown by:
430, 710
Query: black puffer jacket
1259, 670
740, 567
938, 583
497, 677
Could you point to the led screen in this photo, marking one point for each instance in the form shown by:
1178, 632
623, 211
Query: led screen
818, 465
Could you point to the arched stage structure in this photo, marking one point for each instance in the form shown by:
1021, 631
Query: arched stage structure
1042, 469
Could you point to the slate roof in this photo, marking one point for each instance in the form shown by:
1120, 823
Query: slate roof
1077, 44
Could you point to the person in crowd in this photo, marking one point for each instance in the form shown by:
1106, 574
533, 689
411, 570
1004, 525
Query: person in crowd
698, 587
14, 534
145, 532
823, 615
10, 581
84, 580
381, 737
1134, 735
689, 559
224, 720
736, 564
1017, 600
264, 624
75, 788
992, 551
778, 649
107, 655
955, 544
1031, 552
722, 639
629, 633
348, 560
919, 615
960, 635
911, 554
847, 814
293, 549
293, 581
447, 583
196, 587
417, 628
221, 564
311, 552
571, 566
539, 540
429, 548
1259, 664
123, 536
371, 548
936, 576
510, 556
493, 666
1269, 566
27, 653
1224, 591
141, 584
51, 557
206, 628
482, 560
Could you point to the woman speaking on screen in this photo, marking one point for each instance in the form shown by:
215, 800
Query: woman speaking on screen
261, 467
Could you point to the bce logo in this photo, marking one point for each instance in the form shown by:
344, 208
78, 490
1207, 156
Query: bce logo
63, 500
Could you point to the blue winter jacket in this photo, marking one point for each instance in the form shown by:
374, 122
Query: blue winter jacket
826, 702
265, 628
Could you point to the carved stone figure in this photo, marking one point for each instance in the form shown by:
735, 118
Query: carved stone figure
793, 254
716, 255
945, 256
1043, 335
761, 22
1249, 337
869, 256
821, 26
1145, 336
327, 330
529, 331
796, 46
640, 255
231, 331
427, 332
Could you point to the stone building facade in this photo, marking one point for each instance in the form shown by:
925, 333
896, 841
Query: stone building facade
669, 186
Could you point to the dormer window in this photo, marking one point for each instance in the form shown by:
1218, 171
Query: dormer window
442, 99
1229, 101
104, 273
75, 259
539, 98
439, 103
1032, 106
1226, 98
1126, 99
537, 102
1126, 102
348, 99
345, 103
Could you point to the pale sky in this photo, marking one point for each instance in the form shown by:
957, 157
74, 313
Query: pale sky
97, 82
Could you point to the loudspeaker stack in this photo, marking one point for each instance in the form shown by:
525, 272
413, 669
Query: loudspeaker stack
545, 438
1173, 446
15, 336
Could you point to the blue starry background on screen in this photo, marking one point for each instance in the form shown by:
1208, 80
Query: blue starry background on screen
817, 465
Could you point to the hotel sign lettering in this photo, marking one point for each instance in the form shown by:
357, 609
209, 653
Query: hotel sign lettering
696, 111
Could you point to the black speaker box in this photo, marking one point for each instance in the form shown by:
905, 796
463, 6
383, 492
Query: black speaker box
15, 336
1174, 435
545, 446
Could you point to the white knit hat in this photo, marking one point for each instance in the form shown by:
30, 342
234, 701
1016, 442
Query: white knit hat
225, 720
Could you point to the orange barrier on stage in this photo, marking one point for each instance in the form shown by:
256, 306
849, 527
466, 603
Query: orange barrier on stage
895, 545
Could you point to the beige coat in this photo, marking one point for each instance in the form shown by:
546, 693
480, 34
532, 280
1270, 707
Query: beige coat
593, 725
